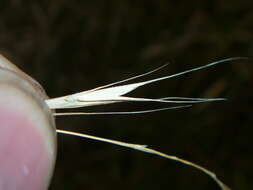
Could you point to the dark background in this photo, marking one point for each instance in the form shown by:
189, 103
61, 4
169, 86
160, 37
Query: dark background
69, 46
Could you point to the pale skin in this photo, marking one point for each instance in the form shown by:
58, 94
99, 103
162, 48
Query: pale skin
27, 132
27, 127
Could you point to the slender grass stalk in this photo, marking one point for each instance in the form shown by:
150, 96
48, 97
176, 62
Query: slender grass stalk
144, 148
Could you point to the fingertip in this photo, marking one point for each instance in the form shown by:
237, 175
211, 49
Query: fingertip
27, 133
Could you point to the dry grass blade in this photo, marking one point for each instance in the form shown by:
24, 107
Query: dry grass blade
113, 94
144, 148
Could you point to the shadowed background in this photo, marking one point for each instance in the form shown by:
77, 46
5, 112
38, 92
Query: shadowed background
69, 46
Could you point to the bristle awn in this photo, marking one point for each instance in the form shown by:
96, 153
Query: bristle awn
178, 74
119, 112
129, 79
191, 100
143, 148
107, 94
197, 99
160, 100
194, 69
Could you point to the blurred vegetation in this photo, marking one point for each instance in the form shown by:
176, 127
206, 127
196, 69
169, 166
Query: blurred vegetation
76, 45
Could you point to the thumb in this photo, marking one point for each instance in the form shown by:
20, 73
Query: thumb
27, 132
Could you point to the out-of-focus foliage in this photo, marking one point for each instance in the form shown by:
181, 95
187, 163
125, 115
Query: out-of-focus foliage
70, 46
